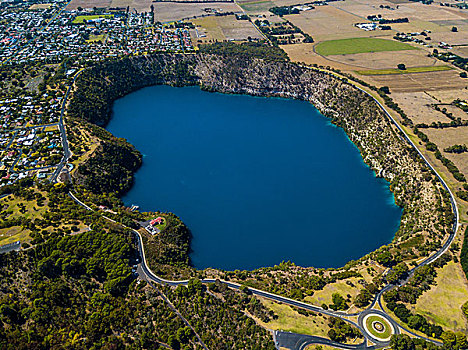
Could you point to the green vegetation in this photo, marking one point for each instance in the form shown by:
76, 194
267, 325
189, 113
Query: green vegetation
341, 331
224, 308
387, 328
407, 70
111, 167
404, 342
359, 45
445, 161
464, 253
339, 303
456, 149
248, 49
256, 6
295, 320
83, 19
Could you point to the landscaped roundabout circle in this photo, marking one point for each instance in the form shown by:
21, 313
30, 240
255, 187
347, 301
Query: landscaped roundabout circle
378, 327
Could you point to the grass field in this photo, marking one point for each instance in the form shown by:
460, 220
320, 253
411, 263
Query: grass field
257, 6
442, 303
324, 296
290, 320
359, 45
81, 19
13, 234
406, 71
387, 329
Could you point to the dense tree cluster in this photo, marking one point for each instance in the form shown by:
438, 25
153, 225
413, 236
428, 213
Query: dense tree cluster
110, 169
248, 50
78, 291
341, 331
464, 253
217, 316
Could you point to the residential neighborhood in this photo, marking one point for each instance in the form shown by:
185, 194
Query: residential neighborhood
47, 36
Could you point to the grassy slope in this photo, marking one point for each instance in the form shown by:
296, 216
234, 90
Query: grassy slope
359, 45
442, 303
291, 320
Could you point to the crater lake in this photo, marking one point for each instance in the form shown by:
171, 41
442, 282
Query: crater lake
257, 180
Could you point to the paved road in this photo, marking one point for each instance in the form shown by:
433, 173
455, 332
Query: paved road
63, 133
301, 341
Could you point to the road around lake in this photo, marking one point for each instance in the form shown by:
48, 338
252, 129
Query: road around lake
287, 339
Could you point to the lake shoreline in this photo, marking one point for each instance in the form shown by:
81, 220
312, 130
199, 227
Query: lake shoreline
365, 124
334, 179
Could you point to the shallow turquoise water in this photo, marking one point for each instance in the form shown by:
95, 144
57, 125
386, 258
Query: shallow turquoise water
257, 180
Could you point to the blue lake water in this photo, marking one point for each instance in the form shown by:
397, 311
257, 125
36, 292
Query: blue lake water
257, 180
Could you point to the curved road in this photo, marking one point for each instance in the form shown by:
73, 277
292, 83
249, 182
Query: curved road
301, 341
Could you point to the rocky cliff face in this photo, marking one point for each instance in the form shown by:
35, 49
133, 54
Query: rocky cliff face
364, 122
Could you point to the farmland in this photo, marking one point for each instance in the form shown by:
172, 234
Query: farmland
212, 28
359, 45
406, 71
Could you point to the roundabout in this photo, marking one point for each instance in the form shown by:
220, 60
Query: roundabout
377, 326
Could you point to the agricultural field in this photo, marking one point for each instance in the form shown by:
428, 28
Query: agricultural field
444, 138
359, 45
430, 81
261, 6
405, 71
171, 11
388, 60
74, 4
328, 23
418, 106
219, 28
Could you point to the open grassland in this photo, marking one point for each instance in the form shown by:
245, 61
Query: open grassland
40, 6
359, 45
292, 321
171, 11
256, 6
319, 347
328, 23
406, 71
418, 107
82, 19
324, 296
210, 28
386, 59
88, 4
304, 52
13, 234
447, 96
18, 207
442, 303
224, 28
